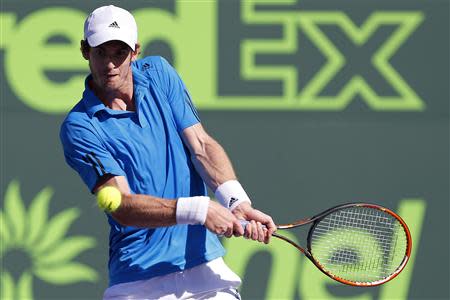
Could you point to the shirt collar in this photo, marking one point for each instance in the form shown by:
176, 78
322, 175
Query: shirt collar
91, 101
93, 104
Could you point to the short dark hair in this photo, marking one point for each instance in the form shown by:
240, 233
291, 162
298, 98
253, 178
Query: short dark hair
84, 46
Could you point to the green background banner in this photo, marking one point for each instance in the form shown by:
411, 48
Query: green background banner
317, 102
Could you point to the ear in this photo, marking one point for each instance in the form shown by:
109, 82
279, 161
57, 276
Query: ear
136, 52
84, 48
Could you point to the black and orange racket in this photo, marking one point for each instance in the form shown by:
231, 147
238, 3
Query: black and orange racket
358, 244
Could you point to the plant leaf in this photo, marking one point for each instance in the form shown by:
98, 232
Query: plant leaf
56, 229
66, 274
14, 210
6, 286
37, 215
65, 250
5, 235
25, 287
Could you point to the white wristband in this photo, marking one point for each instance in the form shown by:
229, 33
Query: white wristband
192, 210
231, 193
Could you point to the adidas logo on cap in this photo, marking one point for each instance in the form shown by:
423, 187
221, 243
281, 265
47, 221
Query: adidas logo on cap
114, 25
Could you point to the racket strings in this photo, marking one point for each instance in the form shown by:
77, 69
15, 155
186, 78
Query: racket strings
359, 244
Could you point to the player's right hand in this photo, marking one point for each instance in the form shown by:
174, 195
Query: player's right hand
221, 221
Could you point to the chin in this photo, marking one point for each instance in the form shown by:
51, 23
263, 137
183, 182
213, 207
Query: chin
111, 86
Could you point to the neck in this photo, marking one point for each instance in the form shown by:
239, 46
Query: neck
121, 98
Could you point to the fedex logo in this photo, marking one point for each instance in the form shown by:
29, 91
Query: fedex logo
252, 54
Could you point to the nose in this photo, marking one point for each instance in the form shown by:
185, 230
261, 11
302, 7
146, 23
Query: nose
110, 64
108, 61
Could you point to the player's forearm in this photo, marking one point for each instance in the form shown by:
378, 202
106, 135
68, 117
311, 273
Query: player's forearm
212, 163
208, 157
145, 211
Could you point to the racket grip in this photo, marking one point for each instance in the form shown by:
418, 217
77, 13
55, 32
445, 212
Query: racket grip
244, 224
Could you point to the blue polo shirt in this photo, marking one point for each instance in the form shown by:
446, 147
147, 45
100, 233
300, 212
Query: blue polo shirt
145, 146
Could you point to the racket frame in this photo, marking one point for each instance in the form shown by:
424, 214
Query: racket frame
317, 218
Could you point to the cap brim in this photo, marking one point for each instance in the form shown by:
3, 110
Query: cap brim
112, 34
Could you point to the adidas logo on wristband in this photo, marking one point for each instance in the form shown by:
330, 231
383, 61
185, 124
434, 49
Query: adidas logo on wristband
232, 201
231, 194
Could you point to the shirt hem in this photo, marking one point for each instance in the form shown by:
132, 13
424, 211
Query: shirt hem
145, 276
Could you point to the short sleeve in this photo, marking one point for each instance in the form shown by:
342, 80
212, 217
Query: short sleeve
183, 110
85, 153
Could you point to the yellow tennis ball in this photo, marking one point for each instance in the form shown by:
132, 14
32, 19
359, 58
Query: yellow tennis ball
109, 198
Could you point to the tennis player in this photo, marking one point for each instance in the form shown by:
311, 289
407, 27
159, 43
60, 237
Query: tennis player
136, 128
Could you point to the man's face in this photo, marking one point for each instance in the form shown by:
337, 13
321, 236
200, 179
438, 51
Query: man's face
110, 65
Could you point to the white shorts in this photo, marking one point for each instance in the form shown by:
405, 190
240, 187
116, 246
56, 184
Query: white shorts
211, 280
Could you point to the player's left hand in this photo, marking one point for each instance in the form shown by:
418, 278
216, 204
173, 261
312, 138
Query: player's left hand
254, 230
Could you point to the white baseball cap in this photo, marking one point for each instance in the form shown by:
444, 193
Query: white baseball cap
108, 23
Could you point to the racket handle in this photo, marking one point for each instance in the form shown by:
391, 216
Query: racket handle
244, 224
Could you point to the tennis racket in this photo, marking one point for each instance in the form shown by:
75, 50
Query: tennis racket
358, 244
